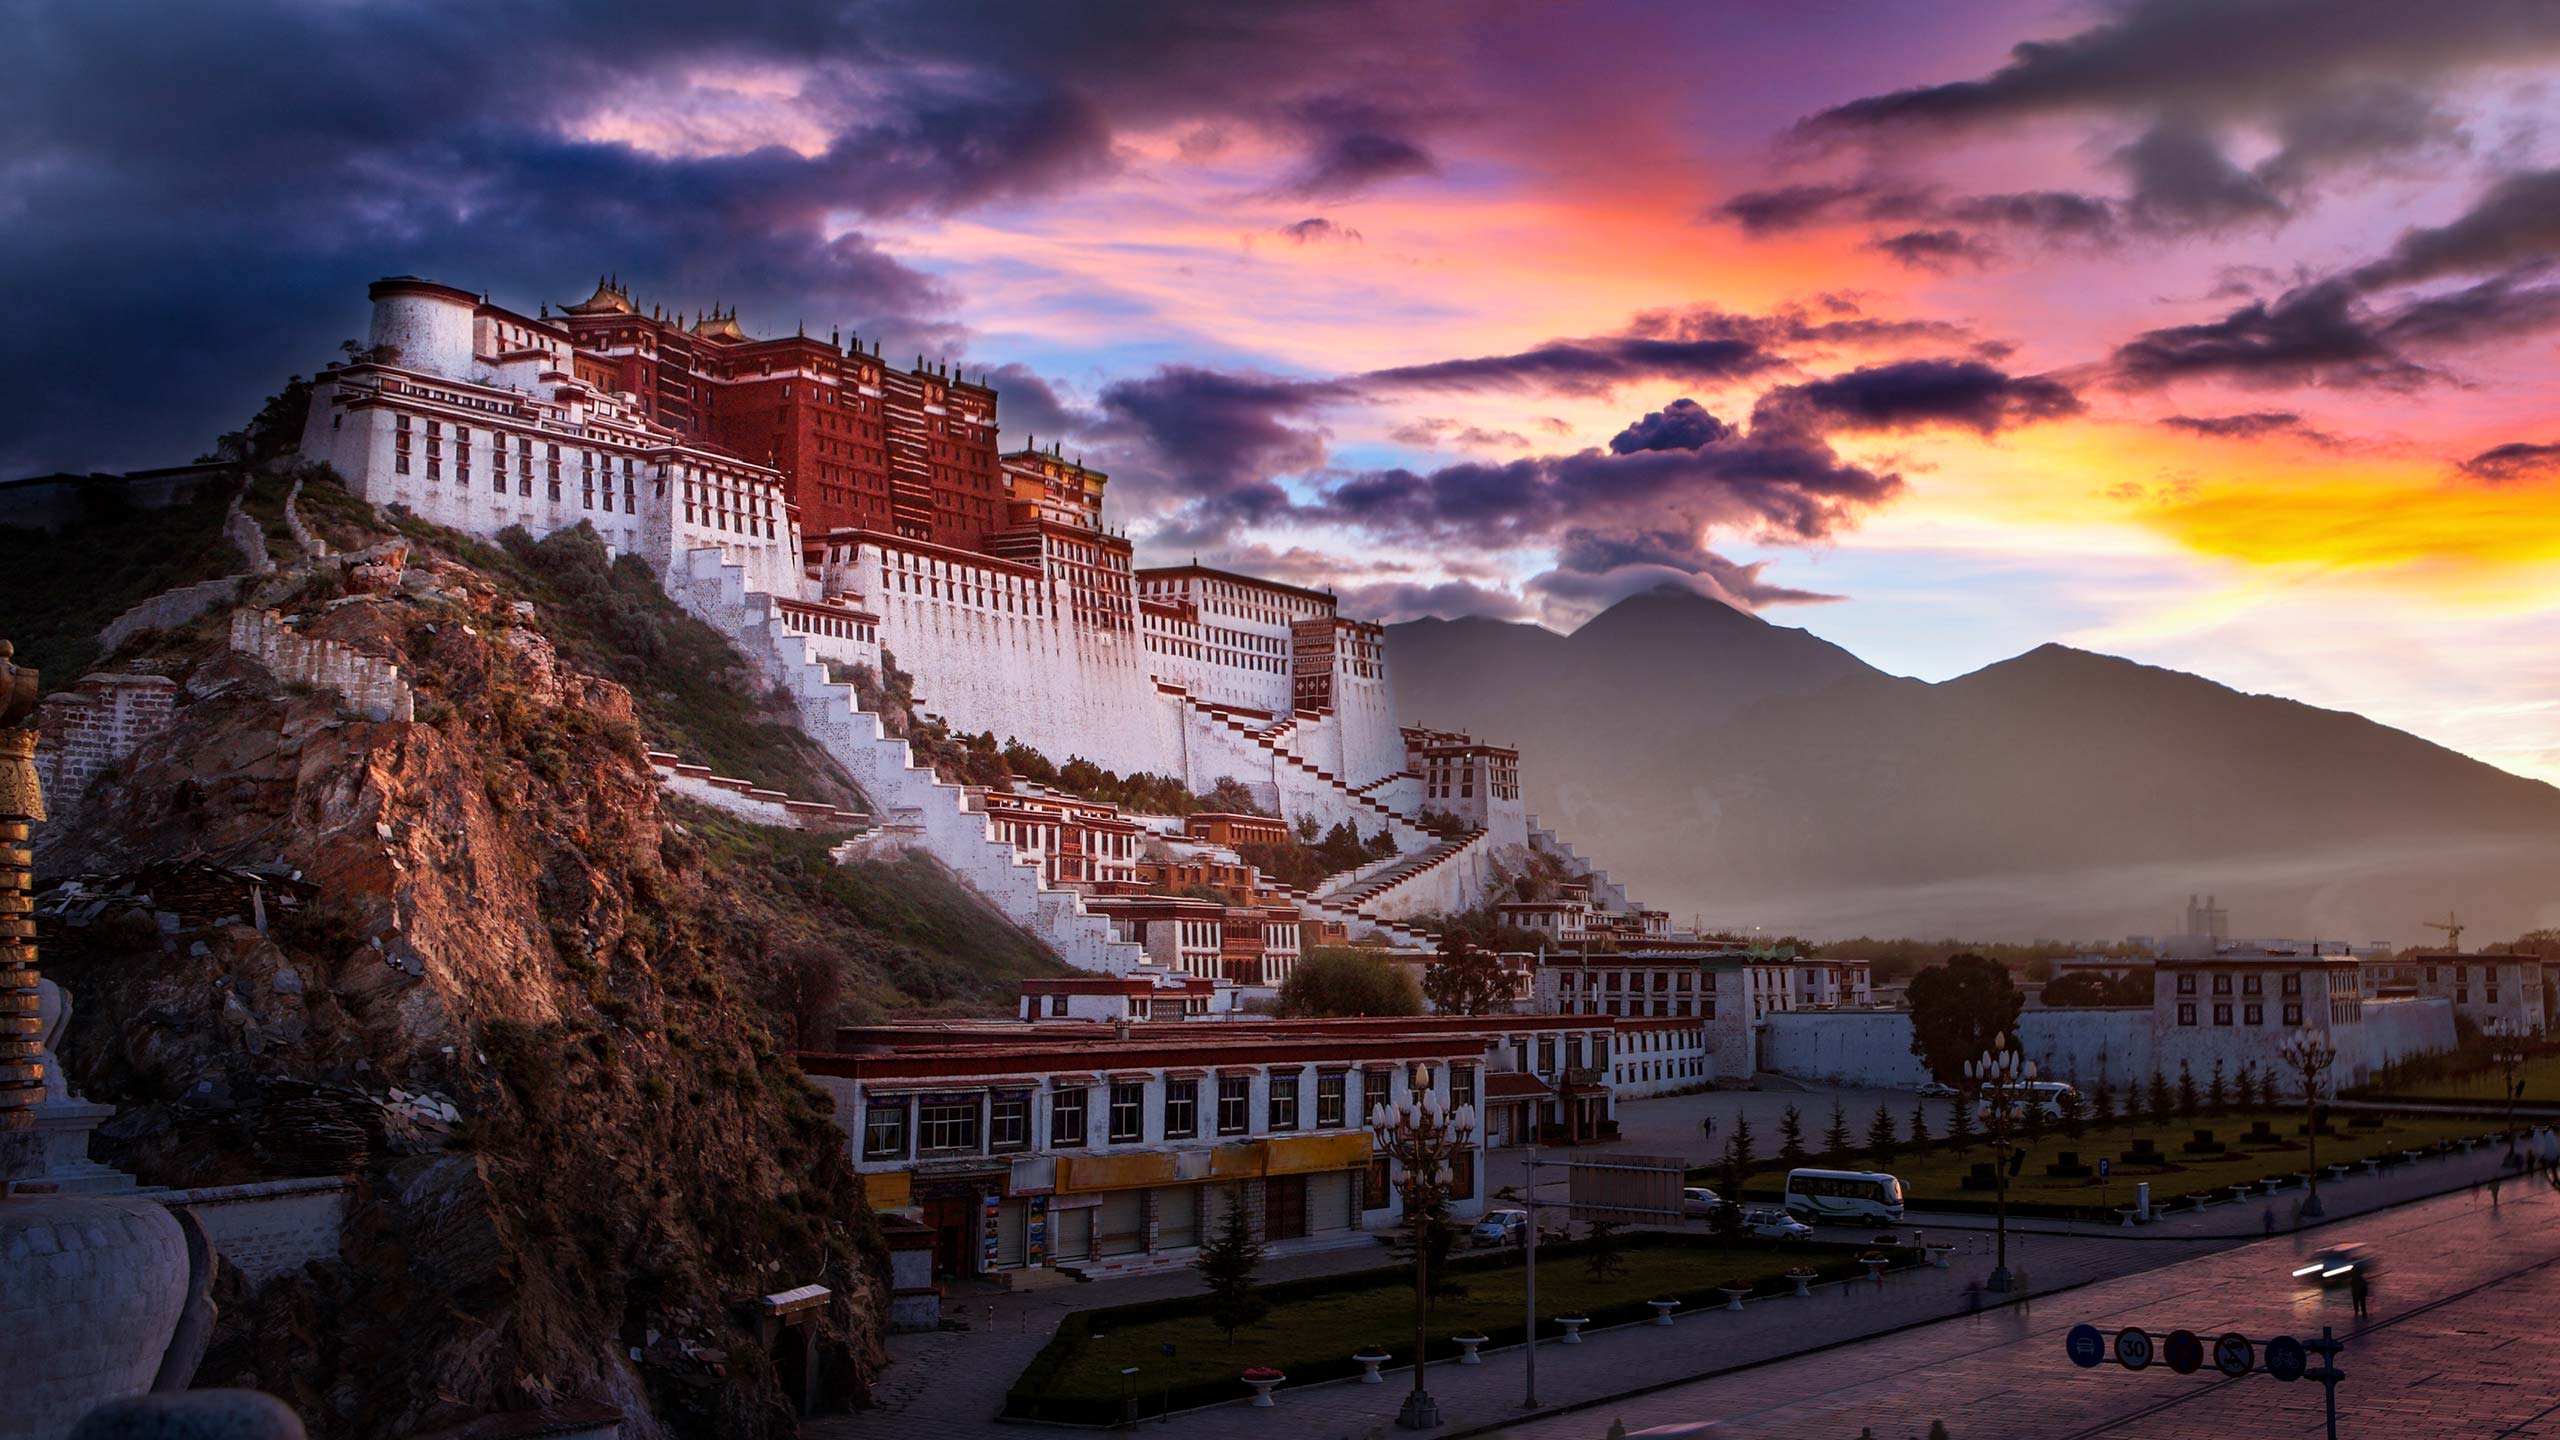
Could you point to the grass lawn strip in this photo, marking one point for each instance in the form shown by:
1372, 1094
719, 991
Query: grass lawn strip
1312, 1336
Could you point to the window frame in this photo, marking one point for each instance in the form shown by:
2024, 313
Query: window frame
1066, 1101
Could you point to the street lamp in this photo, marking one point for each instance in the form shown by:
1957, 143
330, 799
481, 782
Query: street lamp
1424, 1137
2309, 1053
2507, 1042
1997, 1078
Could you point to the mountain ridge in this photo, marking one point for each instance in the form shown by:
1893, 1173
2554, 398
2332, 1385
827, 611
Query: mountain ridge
1770, 776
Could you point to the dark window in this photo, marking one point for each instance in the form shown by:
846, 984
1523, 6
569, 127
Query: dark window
2293, 1014
2187, 1013
1066, 1118
947, 1127
1009, 1123
2222, 1014
1284, 1102
1462, 1085
2254, 1014
2249, 984
2293, 984
884, 1131
1235, 1096
1181, 1109
1333, 1092
1128, 1113
1057, 1004
2186, 984
1546, 1054
2221, 984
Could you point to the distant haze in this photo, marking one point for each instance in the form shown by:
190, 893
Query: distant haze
1758, 775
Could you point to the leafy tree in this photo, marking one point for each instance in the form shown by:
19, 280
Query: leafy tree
1956, 1010
1382, 844
2073, 1114
2105, 1101
1227, 1265
2163, 1105
1466, 980
1938, 1430
1791, 1137
1601, 1257
1960, 1126
1882, 1140
1919, 1126
1306, 828
1835, 1136
1230, 796
2187, 1101
1333, 980
2217, 1095
804, 990
2087, 988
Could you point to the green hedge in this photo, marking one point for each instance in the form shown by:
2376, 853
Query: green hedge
1029, 1400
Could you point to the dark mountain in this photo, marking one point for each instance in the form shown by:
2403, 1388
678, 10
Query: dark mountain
1761, 775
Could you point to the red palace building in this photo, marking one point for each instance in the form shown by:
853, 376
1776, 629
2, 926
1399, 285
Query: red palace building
861, 445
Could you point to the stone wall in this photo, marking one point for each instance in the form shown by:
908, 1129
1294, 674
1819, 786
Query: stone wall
368, 684
96, 724
744, 800
168, 610
273, 1227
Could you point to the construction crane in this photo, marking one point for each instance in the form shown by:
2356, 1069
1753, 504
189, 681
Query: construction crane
2451, 925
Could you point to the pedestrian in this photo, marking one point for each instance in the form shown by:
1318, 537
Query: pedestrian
2494, 1182
2358, 1290
1708, 1124
2268, 1220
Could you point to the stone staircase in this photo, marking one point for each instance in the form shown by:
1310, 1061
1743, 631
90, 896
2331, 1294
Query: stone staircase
1408, 835
1406, 867
903, 793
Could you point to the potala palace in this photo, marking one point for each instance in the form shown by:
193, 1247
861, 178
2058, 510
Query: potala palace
827, 510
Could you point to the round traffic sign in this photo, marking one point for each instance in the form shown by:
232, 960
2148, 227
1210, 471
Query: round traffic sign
2086, 1346
2234, 1356
2133, 1348
2184, 1352
2286, 1359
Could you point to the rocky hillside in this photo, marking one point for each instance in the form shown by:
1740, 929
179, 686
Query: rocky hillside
490, 907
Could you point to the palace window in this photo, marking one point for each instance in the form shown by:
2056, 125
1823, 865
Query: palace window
1128, 1113
2186, 984
2293, 984
2221, 984
1284, 1102
1333, 1099
462, 454
1462, 1085
1009, 1123
947, 1127
2249, 984
2254, 1014
2222, 1014
1235, 1099
2293, 1014
1546, 1054
1181, 1109
2187, 1012
884, 1131
1066, 1118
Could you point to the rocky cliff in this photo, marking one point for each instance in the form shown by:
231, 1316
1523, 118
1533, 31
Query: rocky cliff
475, 960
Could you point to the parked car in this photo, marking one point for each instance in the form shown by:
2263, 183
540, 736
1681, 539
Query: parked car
1938, 1090
1502, 1227
1773, 1224
1698, 1202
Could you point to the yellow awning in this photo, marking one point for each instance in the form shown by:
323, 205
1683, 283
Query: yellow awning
1319, 1152
888, 1189
1237, 1162
1078, 1173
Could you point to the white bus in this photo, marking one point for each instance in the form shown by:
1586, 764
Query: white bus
1853, 1196
2045, 1095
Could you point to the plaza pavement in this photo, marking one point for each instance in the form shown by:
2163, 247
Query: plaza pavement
953, 1384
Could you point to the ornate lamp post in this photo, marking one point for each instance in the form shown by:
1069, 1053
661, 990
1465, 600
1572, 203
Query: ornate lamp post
1995, 1079
2309, 1053
1425, 1139
2507, 1042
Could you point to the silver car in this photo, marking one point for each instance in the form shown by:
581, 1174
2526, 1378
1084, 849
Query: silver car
1502, 1227
1772, 1224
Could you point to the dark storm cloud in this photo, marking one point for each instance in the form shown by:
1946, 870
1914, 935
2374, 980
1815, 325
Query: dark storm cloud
1031, 407
1939, 250
1317, 228
1206, 443
2051, 214
2516, 223
2318, 334
1681, 425
2338, 83
1584, 367
1914, 394
2254, 425
1346, 164
2051, 217
1797, 207
1595, 570
2516, 461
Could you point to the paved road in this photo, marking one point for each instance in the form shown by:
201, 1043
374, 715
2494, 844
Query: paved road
953, 1384
2459, 1344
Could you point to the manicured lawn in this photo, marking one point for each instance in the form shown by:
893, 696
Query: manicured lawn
1304, 1331
2541, 1077
1932, 1176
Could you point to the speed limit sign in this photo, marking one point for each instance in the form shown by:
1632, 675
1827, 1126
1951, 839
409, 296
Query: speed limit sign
2133, 1348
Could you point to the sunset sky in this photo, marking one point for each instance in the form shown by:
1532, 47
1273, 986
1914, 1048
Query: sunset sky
2217, 335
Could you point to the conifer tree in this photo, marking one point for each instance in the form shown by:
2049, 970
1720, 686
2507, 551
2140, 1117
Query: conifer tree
1960, 1126
1791, 1137
1227, 1265
2074, 1113
2247, 1086
1919, 1126
2031, 1117
2217, 1094
1882, 1141
2187, 1100
1741, 1143
2163, 1106
1835, 1136
2104, 1102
